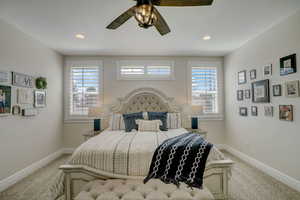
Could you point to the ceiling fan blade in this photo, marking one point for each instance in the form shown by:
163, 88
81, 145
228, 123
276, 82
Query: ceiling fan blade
182, 2
122, 18
161, 25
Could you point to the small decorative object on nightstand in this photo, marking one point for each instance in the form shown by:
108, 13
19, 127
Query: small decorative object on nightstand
201, 132
196, 111
96, 113
89, 134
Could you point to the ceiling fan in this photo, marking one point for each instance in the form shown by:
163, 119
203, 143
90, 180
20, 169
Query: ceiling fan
147, 15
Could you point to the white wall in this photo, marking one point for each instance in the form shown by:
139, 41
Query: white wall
24, 141
114, 88
269, 140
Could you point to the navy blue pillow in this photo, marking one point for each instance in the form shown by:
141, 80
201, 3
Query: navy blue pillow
129, 120
162, 116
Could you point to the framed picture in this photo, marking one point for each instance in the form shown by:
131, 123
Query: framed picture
240, 95
22, 80
39, 99
269, 111
288, 65
292, 89
5, 100
277, 90
286, 113
267, 70
247, 94
254, 111
243, 111
5, 77
253, 74
242, 77
25, 96
261, 91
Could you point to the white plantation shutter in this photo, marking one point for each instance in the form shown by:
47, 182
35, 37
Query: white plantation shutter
159, 70
84, 86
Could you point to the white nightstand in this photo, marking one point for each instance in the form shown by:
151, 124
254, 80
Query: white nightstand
89, 134
201, 132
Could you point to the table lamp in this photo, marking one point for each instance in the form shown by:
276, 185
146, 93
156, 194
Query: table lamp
196, 111
96, 113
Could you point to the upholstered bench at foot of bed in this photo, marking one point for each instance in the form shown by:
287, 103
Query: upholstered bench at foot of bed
115, 189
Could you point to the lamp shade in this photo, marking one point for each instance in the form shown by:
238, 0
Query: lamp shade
197, 110
96, 111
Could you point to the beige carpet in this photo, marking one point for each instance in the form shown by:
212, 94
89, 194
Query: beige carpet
247, 183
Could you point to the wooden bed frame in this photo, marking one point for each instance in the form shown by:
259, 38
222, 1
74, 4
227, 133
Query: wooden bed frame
216, 175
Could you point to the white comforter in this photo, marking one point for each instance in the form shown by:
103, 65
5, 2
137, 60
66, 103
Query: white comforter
122, 153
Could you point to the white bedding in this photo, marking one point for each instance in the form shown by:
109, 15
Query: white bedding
124, 153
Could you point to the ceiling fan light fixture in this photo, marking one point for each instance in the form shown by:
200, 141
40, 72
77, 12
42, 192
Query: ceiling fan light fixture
206, 37
80, 36
145, 16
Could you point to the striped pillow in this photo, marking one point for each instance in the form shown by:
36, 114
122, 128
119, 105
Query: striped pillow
149, 125
116, 122
174, 120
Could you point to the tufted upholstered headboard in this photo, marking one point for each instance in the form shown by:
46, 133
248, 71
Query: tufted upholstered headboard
146, 100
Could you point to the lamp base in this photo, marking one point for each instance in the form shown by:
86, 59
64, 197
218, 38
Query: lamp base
194, 122
97, 124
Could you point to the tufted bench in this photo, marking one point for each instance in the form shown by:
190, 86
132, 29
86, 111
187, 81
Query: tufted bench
115, 189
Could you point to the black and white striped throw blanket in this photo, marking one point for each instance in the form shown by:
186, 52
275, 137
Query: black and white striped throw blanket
180, 159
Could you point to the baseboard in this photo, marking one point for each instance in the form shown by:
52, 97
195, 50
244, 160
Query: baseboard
13, 179
291, 182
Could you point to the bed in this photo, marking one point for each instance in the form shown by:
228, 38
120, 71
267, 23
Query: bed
121, 155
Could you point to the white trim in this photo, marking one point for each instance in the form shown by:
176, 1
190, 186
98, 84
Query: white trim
16, 177
291, 182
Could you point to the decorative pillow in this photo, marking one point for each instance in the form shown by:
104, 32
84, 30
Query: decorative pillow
174, 120
149, 125
129, 120
162, 116
116, 122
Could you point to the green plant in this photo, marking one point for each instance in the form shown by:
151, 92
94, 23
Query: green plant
41, 83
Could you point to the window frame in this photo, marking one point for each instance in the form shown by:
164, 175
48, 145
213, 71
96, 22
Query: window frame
69, 64
145, 64
220, 87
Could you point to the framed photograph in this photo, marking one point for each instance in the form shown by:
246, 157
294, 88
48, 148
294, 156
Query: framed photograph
277, 90
267, 70
240, 95
269, 111
243, 111
247, 94
5, 77
39, 99
22, 80
292, 89
242, 77
261, 91
24, 96
253, 74
5, 100
288, 65
254, 111
286, 113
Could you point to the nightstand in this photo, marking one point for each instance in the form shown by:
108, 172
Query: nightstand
201, 132
89, 134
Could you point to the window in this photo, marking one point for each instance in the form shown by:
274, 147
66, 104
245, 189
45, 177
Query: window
84, 87
205, 88
145, 70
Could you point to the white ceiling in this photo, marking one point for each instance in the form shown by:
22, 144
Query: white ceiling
231, 23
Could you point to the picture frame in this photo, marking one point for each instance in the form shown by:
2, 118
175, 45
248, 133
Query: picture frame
5, 77
242, 77
268, 70
253, 74
277, 90
39, 99
240, 95
292, 89
261, 91
5, 100
269, 111
286, 113
22, 80
254, 111
288, 65
247, 94
24, 96
243, 111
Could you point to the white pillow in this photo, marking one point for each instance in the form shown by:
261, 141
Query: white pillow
148, 125
116, 122
174, 120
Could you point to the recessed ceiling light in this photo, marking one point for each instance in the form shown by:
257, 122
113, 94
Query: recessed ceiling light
80, 36
207, 37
